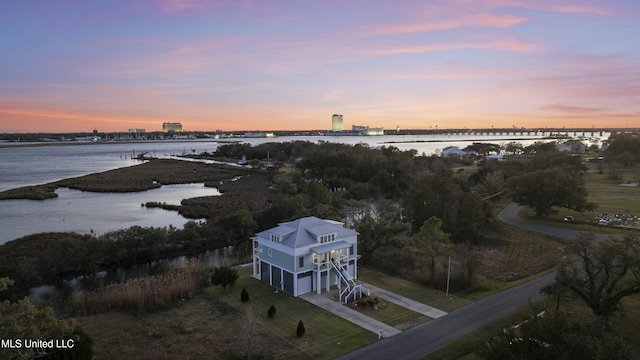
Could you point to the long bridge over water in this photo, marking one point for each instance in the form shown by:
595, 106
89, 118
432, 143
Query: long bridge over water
550, 132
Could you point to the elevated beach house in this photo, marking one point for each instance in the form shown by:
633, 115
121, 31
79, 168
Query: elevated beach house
308, 254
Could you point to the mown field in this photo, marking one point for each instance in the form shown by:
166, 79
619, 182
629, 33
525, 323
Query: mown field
613, 196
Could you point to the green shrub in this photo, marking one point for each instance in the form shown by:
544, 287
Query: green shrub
300, 330
244, 295
272, 311
224, 275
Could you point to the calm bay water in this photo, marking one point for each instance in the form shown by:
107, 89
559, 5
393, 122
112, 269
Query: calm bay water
85, 211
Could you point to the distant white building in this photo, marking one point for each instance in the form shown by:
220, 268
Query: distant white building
498, 157
171, 127
454, 151
258, 135
336, 122
368, 131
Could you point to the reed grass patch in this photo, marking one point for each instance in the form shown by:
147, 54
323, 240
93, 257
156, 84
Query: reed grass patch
146, 294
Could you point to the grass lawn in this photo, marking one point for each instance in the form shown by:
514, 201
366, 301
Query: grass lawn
393, 315
411, 290
611, 197
327, 336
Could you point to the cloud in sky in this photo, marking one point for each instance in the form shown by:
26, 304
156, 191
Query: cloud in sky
239, 65
482, 20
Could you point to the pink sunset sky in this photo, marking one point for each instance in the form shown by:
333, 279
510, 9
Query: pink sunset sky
70, 66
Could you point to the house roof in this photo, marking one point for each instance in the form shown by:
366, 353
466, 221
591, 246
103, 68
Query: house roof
334, 245
305, 231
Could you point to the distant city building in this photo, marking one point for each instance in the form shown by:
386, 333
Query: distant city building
172, 127
336, 122
356, 130
368, 131
93, 138
136, 131
258, 135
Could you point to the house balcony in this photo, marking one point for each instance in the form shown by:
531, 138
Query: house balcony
338, 258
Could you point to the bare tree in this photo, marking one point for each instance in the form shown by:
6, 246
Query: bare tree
606, 273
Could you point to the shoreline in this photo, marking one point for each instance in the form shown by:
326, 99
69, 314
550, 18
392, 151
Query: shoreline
77, 143
248, 190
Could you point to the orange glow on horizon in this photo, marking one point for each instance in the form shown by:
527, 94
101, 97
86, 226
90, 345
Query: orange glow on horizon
54, 122
268, 66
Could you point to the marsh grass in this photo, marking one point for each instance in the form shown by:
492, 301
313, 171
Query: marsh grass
249, 190
37, 192
520, 255
145, 294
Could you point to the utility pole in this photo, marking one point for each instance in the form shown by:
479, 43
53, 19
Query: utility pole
448, 277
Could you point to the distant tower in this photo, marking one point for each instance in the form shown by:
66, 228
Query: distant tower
397, 128
171, 127
336, 122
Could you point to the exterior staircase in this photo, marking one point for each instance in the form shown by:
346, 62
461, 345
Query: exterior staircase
351, 289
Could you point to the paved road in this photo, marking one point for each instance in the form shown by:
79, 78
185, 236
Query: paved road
510, 213
432, 335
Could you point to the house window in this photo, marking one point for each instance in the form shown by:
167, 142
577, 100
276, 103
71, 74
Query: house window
270, 252
351, 250
275, 238
327, 238
301, 262
260, 249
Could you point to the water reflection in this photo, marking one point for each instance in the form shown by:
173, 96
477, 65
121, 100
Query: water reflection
88, 212
61, 291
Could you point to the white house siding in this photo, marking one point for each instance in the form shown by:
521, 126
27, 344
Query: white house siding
278, 258
323, 282
305, 283
308, 263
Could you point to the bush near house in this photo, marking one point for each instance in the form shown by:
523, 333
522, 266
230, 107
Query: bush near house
224, 275
272, 311
244, 295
